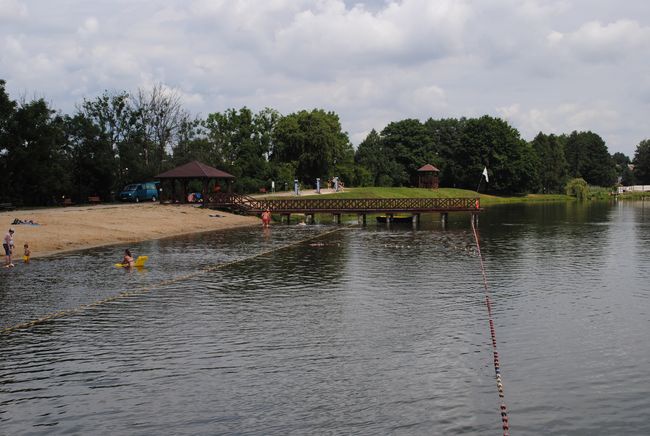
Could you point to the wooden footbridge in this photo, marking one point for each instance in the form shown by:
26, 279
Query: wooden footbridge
338, 206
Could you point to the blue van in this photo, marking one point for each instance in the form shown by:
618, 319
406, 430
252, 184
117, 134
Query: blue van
139, 192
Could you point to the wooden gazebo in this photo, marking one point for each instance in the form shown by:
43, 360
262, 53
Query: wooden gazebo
428, 177
194, 170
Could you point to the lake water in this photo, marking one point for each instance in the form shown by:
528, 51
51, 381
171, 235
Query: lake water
363, 331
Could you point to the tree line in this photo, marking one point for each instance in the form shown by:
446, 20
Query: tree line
119, 138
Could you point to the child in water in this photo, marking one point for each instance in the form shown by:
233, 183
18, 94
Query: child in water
128, 261
26, 253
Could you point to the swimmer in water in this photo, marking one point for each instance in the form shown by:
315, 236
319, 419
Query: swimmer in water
128, 261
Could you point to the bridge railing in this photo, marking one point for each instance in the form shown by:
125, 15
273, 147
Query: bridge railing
343, 205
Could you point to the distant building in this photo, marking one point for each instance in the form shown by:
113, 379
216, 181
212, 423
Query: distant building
428, 177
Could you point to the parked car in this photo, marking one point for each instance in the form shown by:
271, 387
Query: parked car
139, 192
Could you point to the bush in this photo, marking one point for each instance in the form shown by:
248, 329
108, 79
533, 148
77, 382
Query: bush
577, 188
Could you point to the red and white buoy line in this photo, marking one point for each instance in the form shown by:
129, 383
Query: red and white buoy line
497, 369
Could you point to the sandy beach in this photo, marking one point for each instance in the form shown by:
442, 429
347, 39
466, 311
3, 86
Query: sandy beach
76, 228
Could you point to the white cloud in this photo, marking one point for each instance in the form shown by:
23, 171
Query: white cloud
12, 9
563, 118
372, 61
90, 26
596, 42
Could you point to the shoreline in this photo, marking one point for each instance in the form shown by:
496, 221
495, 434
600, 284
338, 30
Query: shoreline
64, 230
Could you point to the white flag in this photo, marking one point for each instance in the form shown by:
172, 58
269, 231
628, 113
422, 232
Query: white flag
485, 174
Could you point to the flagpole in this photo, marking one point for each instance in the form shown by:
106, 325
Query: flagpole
483, 174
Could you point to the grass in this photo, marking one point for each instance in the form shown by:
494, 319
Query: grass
381, 192
634, 196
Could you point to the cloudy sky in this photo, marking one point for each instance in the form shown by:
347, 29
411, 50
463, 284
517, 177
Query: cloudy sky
544, 65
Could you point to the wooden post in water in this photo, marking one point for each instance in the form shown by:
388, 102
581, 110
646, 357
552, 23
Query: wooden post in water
475, 219
444, 219
416, 219
337, 218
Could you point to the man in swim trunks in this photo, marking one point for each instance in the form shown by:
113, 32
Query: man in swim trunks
8, 245
266, 218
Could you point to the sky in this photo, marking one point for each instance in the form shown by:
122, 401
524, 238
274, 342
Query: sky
553, 66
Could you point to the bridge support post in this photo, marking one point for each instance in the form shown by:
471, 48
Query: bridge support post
475, 219
310, 218
416, 219
288, 217
361, 219
337, 218
444, 219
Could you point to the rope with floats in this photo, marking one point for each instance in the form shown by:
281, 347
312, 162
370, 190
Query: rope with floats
497, 368
147, 289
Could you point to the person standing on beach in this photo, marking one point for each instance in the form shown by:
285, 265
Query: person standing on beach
27, 253
8, 245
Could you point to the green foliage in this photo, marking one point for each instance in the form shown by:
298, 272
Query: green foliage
588, 158
407, 145
240, 142
92, 159
283, 174
362, 176
493, 143
446, 136
599, 193
315, 142
642, 162
578, 188
552, 168
34, 154
118, 138
620, 159
625, 174
377, 160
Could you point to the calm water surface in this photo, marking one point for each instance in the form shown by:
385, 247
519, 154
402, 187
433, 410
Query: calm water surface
362, 331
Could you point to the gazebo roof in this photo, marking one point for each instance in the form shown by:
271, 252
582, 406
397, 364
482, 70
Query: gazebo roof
194, 170
429, 167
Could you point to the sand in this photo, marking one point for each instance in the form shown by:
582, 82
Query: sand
76, 228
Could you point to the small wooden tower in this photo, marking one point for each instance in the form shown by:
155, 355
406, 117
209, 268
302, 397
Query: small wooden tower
428, 177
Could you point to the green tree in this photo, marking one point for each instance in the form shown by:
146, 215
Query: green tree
409, 144
642, 162
577, 188
240, 142
36, 156
588, 158
625, 174
92, 159
376, 164
552, 163
117, 124
493, 143
446, 136
315, 143
7, 112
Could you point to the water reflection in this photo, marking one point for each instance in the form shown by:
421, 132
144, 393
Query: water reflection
370, 330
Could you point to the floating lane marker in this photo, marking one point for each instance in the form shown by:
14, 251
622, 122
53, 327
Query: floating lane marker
493, 335
146, 289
